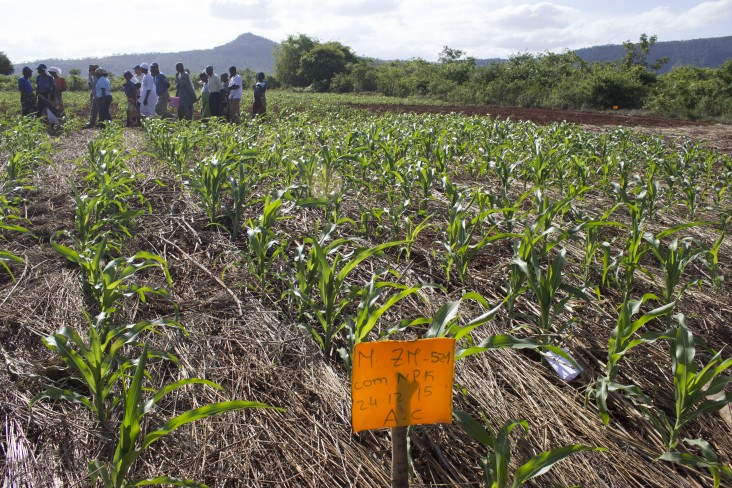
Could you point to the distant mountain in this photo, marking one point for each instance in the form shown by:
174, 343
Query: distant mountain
246, 51
703, 53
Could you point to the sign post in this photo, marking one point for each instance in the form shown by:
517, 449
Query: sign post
395, 384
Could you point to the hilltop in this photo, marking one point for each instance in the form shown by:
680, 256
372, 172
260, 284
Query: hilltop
246, 51
703, 53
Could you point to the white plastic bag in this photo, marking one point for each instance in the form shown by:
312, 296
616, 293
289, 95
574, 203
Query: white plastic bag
51, 117
564, 369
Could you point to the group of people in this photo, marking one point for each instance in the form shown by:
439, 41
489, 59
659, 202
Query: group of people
47, 98
147, 91
148, 94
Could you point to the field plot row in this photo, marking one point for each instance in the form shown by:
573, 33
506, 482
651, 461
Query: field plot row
182, 302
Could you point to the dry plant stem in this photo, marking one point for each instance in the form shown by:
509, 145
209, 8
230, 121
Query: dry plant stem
203, 268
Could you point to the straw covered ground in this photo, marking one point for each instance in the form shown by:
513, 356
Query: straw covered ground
250, 345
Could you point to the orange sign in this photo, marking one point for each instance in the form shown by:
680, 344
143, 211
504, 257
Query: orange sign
398, 383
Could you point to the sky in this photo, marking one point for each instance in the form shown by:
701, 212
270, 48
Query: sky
383, 29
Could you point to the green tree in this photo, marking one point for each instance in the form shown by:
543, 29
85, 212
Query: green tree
323, 62
637, 54
289, 57
6, 67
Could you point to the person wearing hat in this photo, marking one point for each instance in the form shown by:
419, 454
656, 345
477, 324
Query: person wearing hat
91, 81
61, 86
161, 89
27, 95
130, 89
44, 90
148, 97
104, 95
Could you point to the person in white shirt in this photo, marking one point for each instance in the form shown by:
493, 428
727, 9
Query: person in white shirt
235, 93
214, 91
148, 97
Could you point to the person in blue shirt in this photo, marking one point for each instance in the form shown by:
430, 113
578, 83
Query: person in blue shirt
44, 90
27, 95
161, 89
104, 95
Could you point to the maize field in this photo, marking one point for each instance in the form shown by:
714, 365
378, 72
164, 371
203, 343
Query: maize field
179, 303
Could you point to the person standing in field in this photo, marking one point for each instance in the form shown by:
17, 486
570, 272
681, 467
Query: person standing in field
91, 81
259, 107
185, 93
137, 80
27, 95
148, 97
225, 95
205, 96
130, 89
45, 88
235, 94
161, 89
104, 95
61, 87
214, 91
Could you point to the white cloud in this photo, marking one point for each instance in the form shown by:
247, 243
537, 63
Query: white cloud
387, 29
241, 9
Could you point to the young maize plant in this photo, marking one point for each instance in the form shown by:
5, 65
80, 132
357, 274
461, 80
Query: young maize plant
242, 183
697, 391
106, 284
457, 237
97, 361
264, 244
673, 260
320, 288
209, 180
495, 464
375, 301
546, 282
708, 460
622, 339
114, 472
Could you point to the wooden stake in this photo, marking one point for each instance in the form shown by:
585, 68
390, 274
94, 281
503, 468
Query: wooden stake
399, 467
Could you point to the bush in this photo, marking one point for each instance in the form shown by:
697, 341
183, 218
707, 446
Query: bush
609, 86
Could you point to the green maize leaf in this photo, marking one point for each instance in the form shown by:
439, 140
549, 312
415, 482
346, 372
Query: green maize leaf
543, 462
716, 469
16, 228
147, 406
502, 453
167, 480
473, 428
99, 470
201, 413
53, 393
439, 326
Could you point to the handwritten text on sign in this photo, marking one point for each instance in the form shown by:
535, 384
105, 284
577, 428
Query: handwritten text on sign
397, 383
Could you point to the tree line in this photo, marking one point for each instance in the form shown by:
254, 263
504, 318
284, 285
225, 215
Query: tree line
545, 80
